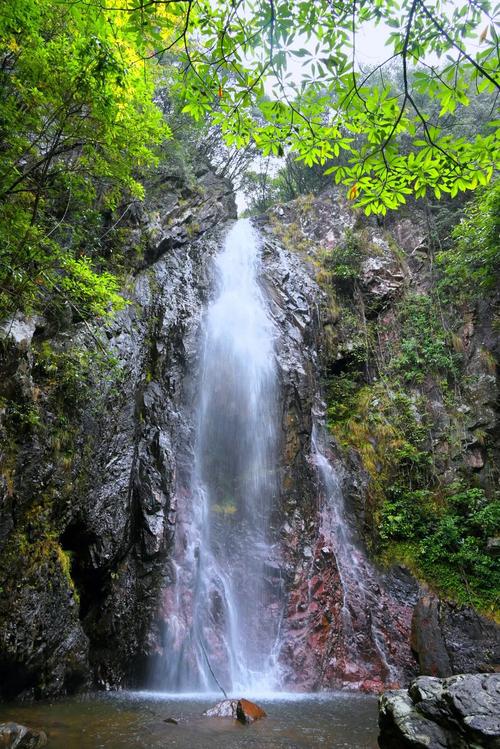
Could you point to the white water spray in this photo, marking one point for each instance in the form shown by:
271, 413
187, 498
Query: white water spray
223, 617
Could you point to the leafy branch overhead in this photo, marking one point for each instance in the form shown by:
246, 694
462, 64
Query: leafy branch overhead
236, 64
82, 115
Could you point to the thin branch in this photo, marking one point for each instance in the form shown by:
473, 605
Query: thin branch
63, 217
454, 44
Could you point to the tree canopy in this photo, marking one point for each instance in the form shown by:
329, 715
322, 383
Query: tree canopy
77, 120
394, 145
81, 117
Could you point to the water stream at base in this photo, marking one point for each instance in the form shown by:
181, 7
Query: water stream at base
122, 720
223, 618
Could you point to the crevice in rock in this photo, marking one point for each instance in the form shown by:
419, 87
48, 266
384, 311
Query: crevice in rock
15, 678
89, 582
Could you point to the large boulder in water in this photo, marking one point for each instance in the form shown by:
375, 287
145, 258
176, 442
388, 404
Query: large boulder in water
15, 736
223, 709
460, 712
242, 710
247, 711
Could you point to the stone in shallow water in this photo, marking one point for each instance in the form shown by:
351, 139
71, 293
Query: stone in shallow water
248, 712
223, 709
15, 736
242, 710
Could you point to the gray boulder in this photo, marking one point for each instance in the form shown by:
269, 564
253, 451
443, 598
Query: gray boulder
451, 639
15, 736
461, 712
223, 709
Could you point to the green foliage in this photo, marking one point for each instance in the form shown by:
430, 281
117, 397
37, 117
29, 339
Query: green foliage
78, 121
342, 391
384, 144
425, 346
448, 539
385, 426
281, 181
21, 417
81, 115
470, 265
260, 191
66, 374
292, 177
91, 292
404, 514
385, 411
440, 533
344, 260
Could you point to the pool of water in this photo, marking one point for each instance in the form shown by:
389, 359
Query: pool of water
123, 720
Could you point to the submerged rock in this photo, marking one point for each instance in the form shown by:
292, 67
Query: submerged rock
242, 710
16, 736
457, 713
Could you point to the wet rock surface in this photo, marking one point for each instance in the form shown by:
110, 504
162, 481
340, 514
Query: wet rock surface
330, 637
81, 609
450, 639
395, 261
243, 710
84, 541
459, 712
16, 736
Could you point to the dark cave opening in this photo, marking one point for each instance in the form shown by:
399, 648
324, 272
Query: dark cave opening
89, 580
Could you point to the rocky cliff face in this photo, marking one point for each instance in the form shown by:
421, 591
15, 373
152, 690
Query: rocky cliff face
402, 434
96, 457
343, 624
90, 456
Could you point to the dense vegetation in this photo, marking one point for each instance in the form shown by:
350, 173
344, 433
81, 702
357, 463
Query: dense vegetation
358, 119
427, 509
77, 118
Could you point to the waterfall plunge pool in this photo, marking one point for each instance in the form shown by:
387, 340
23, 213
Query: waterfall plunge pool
136, 720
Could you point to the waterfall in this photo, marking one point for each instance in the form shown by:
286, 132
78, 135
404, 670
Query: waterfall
223, 613
364, 648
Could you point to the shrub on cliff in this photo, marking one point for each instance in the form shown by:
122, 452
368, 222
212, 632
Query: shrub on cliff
470, 265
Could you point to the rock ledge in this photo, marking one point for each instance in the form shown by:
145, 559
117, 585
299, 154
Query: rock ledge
461, 712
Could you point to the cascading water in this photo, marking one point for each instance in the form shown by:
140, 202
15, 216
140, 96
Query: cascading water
364, 647
223, 615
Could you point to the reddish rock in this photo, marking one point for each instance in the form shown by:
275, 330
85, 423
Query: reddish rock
242, 710
363, 644
248, 712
